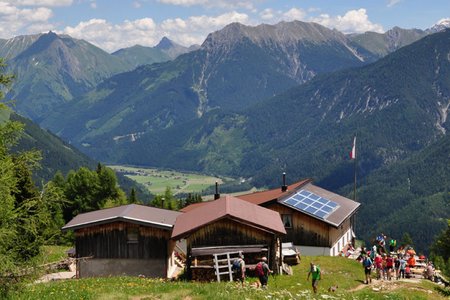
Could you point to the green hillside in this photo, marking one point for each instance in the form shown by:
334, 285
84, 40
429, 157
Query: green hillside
59, 156
139, 55
409, 196
382, 44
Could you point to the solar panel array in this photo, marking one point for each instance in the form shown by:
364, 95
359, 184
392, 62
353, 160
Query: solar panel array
312, 204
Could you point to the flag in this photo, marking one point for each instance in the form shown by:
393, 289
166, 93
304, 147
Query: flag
353, 152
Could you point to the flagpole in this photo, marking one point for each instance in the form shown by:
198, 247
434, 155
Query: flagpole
354, 188
354, 171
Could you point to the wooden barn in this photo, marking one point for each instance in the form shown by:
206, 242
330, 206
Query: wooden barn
228, 224
126, 240
318, 221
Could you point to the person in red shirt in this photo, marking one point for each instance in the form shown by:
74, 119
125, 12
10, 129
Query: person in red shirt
389, 266
378, 261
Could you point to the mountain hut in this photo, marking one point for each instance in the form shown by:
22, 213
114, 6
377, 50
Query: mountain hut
229, 225
125, 240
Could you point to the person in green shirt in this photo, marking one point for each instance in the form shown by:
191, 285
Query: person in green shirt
314, 270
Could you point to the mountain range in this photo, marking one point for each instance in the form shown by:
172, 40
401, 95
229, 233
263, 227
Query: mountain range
253, 102
226, 73
55, 69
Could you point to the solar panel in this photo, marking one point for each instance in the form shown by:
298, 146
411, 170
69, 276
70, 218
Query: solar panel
312, 204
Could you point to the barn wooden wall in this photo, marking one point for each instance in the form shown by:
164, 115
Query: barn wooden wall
229, 232
305, 230
110, 241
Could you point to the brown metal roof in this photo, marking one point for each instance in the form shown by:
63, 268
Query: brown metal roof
257, 197
193, 206
141, 214
274, 194
228, 206
347, 207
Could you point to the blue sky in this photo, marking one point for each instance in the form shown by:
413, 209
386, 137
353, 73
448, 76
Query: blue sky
115, 24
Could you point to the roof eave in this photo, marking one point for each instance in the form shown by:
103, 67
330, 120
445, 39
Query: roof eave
118, 218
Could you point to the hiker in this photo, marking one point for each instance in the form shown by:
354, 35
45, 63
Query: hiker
378, 265
382, 242
408, 273
239, 268
392, 244
429, 272
402, 267
383, 265
367, 264
314, 270
373, 252
389, 266
397, 267
411, 261
262, 271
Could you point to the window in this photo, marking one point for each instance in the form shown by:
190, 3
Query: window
287, 220
132, 235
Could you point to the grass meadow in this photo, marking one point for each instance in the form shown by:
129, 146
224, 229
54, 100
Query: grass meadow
346, 274
157, 180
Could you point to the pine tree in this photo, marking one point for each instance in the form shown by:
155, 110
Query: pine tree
22, 216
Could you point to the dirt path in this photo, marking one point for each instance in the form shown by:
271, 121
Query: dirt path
384, 285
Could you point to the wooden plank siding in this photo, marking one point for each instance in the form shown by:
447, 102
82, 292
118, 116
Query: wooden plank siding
229, 232
308, 231
112, 241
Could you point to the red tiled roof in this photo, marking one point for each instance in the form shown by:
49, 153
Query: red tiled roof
269, 195
146, 215
228, 206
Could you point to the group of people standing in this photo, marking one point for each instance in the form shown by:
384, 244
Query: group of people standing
392, 264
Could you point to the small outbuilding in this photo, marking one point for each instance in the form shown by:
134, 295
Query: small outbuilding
229, 224
125, 240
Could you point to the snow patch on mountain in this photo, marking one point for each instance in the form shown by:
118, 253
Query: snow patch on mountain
440, 26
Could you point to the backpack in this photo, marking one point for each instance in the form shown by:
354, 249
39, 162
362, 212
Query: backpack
367, 262
236, 264
259, 270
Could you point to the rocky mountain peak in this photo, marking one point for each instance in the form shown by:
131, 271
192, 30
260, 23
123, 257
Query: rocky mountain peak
165, 44
281, 33
440, 25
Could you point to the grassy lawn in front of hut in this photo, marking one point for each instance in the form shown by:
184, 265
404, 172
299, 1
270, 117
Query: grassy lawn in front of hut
346, 274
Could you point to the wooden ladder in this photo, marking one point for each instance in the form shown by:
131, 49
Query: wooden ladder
223, 263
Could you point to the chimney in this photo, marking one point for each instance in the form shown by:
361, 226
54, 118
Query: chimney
284, 186
217, 195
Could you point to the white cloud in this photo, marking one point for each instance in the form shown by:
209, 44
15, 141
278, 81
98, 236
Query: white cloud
228, 4
352, 21
112, 37
294, 14
184, 2
27, 20
146, 32
267, 14
93, 5
393, 2
45, 3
